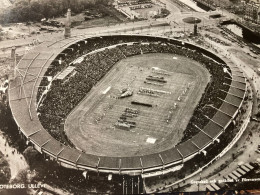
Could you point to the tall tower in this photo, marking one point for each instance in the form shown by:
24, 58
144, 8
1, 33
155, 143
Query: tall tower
12, 68
67, 32
195, 29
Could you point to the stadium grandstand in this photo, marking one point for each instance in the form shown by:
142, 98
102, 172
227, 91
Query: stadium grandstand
40, 101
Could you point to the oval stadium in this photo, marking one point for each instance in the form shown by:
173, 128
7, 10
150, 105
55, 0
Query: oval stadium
124, 104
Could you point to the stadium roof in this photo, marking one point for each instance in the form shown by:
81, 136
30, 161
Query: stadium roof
228, 108
212, 129
130, 162
187, 148
221, 119
109, 162
238, 85
89, 160
171, 155
22, 98
234, 100
71, 154
236, 92
201, 139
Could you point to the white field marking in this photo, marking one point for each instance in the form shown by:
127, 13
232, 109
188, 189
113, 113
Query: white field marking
107, 90
156, 68
78, 60
65, 72
151, 140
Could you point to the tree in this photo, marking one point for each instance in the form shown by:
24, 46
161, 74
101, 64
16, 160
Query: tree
27, 10
30, 155
21, 177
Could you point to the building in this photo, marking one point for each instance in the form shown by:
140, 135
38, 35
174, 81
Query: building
207, 4
252, 11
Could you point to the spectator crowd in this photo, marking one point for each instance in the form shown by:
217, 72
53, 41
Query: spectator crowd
100, 54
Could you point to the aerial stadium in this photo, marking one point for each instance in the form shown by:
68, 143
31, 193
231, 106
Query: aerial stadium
124, 104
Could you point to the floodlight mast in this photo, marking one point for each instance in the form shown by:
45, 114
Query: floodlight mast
67, 32
12, 68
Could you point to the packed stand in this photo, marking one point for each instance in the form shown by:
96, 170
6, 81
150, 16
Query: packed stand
65, 94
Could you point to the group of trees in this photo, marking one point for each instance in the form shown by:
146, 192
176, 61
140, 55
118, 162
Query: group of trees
35, 10
5, 172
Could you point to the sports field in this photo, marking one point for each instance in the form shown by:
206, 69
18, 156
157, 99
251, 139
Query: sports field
92, 124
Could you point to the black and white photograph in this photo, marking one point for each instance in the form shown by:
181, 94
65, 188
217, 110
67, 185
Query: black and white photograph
121, 97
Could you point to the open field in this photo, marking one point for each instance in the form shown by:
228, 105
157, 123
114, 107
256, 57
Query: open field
91, 125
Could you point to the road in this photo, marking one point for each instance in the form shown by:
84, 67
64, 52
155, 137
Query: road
174, 19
